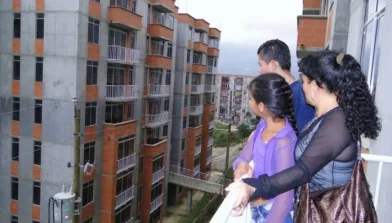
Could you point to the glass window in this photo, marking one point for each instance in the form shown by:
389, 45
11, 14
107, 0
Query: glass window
15, 149
169, 50
91, 113
88, 193
37, 153
14, 188
93, 30
39, 69
89, 153
16, 73
38, 112
16, 25
15, 109
126, 147
376, 59
92, 73
40, 25
37, 193
14, 219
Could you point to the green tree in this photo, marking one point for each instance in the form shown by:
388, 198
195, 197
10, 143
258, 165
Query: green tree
244, 130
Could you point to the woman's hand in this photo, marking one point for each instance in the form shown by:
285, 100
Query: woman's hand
244, 193
242, 169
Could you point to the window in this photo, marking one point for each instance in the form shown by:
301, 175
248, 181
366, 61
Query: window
169, 50
166, 105
88, 193
92, 73
197, 58
16, 25
93, 30
91, 113
16, 72
115, 74
15, 149
89, 153
190, 33
114, 112
155, 216
14, 188
124, 181
165, 130
186, 101
157, 163
37, 153
140, 194
38, 112
15, 109
39, 69
133, 6
40, 25
123, 214
157, 47
37, 193
131, 110
183, 145
188, 56
168, 77
126, 147
156, 191
14, 219
184, 126
90, 220
117, 37
132, 34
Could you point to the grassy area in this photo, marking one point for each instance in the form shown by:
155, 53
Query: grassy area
220, 139
221, 126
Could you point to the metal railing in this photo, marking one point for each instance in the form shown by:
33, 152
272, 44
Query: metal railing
158, 90
210, 142
225, 209
197, 169
198, 89
126, 163
196, 110
211, 125
121, 92
210, 88
155, 204
210, 69
125, 196
197, 150
130, 220
123, 54
163, 19
209, 160
158, 175
157, 119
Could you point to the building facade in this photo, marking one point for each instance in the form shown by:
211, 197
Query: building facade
359, 28
235, 88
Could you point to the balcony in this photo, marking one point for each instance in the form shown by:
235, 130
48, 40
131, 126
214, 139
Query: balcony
214, 33
211, 125
164, 5
197, 150
201, 24
160, 31
155, 204
153, 120
209, 160
213, 52
123, 55
196, 110
210, 142
121, 93
196, 169
159, 61
158, 175
125, 196
158, 90
200, 47
209, 99
197, 89
199, 68
123, 18
311, 34
210, 88
126, 163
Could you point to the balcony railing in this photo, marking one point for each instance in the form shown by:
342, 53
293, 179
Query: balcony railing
209, 160
163, 19
157, 119
210, 69
155, 204
210, 142
158, 175
158, 90
196, 169
210, 88
130, 220
211, 125
196, 110
123, 54
197, 89
121, 92
197, 150
125, 196
126, 163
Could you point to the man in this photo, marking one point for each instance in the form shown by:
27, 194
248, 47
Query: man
274, 57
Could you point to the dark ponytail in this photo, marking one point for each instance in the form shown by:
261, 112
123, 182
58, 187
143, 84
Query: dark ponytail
275, 93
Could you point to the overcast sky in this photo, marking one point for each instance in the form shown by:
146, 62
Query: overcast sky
246, 24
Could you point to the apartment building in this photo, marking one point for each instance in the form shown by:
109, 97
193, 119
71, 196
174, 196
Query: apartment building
235, 88
194, 98
360, 28
116, 58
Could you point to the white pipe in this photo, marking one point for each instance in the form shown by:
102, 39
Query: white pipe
378, 184
377, 158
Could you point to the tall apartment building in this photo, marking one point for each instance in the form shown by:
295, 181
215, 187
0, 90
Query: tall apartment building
116, 58
360, 28
234, 87
194, 98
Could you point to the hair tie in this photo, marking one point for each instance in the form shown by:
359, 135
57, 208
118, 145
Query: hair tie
339, 58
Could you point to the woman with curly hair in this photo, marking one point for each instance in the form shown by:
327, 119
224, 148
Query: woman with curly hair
327, 149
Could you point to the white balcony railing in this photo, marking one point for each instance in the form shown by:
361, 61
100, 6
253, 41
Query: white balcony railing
126, 163
130, 220
210, 88
125, 196
121, 92
211, 125
197, 89
196, 169
196, 110
158, 175
157, 119
210, 142
226, 207
210, 69
197, 150
158, 90
209, 160
155, 204
123, 54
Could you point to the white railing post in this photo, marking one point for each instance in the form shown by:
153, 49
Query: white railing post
123, 54
125, 196
158, 175
126, 163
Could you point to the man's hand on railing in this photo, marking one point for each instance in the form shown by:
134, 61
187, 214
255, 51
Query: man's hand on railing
243, 168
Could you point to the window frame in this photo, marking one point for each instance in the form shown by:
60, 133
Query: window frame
16, 68
92, 30
37, 193
15, 149
14, 188
38, 111
90, 113
92, 72
17, 25
16, 109
88, 191
40, 21
39, 69
37, 157
89, 152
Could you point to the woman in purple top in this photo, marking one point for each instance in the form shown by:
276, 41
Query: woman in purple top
271, 145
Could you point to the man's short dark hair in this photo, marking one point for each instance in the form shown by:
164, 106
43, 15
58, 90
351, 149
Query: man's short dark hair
276, 50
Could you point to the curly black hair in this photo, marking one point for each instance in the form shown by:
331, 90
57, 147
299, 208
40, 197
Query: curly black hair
275, 93
277, 50
342, 75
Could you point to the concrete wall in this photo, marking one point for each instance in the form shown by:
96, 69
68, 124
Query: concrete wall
340, 26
